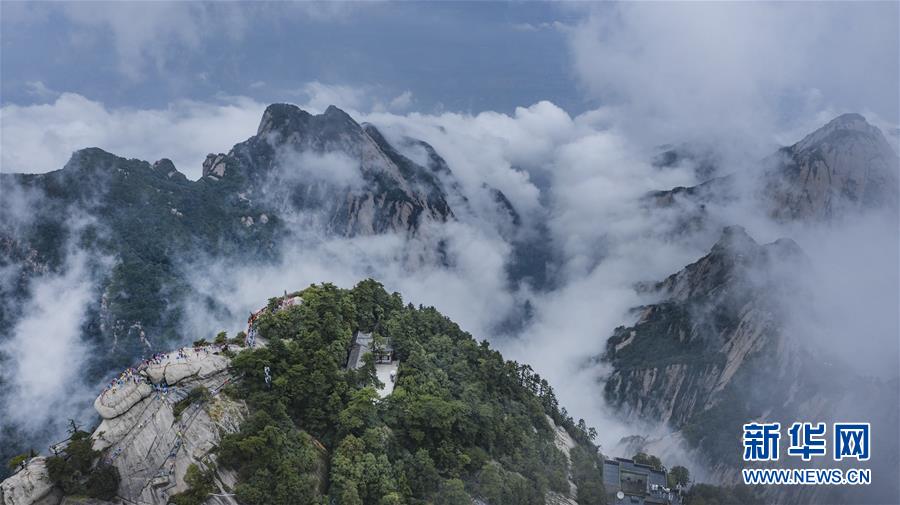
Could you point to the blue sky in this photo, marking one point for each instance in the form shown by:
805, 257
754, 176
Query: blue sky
181, 79
450, 56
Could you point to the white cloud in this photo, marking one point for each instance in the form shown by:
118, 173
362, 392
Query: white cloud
582, 176
318, 96
334, 169
40, 90
736, 72
40, 138
401, 102
43, 380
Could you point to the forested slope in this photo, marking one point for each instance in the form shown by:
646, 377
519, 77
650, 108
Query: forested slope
286, 421
461, 421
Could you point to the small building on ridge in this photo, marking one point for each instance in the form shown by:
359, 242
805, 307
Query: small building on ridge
387, 365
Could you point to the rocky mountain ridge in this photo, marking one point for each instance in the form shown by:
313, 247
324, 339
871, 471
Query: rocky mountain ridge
713, 318
395, 194
143, 223
152, 430
221, 411
845, 167
719, 346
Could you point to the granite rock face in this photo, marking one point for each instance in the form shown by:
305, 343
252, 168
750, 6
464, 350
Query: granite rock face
843, 166
846, 166
152, 447
29, 486
714, 317
347, 174
565, 443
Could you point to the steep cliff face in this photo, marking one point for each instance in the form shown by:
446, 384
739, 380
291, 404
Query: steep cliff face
158, 419
368, 186
721, 348
717, 327
156, 424
717, 334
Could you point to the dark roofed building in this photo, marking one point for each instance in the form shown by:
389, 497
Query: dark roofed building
386, 363
364, 343
633, 483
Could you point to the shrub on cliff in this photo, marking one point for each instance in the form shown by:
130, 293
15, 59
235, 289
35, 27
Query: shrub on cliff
76, 471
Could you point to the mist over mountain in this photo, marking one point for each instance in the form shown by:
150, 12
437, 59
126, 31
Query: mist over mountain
744, 332
447, 253
143, 237
557, 238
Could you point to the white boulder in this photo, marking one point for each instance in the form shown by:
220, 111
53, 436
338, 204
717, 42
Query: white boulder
29, 486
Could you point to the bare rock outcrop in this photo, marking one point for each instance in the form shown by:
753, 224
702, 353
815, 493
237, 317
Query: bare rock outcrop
152, 446
29, 486
565, 443
158, 419
845, 165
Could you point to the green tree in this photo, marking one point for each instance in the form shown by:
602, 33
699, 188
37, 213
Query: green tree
588, 476
18, 460
459, 412
103, 482
453, 492
361, 411
363, 468
277, 464
200, 484
678, 476
648, 459
75, 471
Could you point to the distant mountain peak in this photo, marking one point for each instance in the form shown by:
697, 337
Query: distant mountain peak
735, 236
846, 164
334, 111
287, 119
90, 154
848, 118
165, 167
841, 129
281, 115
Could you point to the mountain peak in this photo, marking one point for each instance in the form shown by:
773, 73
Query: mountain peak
280, 116
848, 120
734, 239
845, 165
93, 159
166, 168
839, 129
286, 119
334, 111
